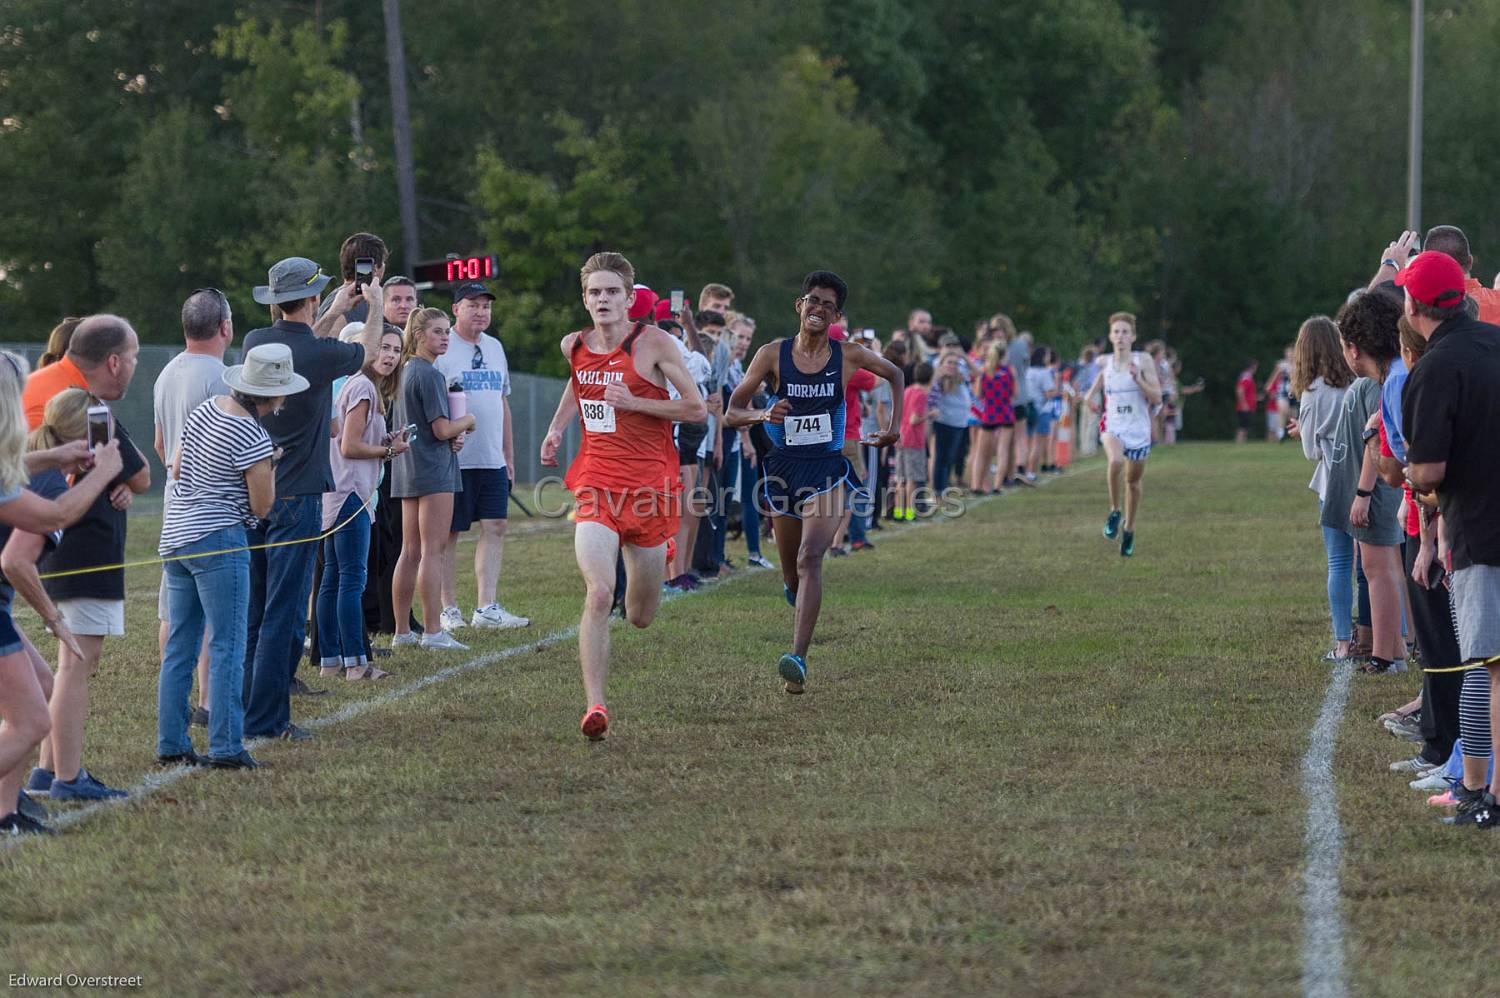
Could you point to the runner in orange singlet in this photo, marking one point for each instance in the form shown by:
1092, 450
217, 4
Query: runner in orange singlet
625, 478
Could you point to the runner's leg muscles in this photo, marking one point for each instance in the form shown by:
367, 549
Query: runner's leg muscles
596, 547
1115, 452
645, 569
788, 541
1134, 472
820, 519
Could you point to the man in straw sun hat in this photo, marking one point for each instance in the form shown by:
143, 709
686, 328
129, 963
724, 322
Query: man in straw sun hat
281, 577
224, 480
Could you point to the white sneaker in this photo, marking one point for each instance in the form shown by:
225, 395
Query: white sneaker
409, 638
496, 617
1414, 765
452, 619
442, 640
760, 562
1432, 784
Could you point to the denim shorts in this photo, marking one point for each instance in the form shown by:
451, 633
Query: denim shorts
10, 638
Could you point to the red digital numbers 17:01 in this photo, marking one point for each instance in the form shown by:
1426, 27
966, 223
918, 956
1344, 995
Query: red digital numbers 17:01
474, 268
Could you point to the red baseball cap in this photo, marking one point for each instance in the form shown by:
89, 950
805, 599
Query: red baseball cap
664, 309
644, 304
836, 332
1434, 279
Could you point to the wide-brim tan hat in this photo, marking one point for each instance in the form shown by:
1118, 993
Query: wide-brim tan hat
266, 373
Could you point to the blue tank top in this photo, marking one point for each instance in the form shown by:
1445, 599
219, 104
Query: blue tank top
815, 426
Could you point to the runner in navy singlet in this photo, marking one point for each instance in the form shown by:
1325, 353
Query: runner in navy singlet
808, 483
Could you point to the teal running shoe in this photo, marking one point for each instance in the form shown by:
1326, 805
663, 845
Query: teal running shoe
791, 597
793, 669
1112, 525
1127, 544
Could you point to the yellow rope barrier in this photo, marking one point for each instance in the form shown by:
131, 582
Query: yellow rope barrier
211, 554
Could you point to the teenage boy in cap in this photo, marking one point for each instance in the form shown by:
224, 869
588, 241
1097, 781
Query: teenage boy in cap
808, 482
625, 477
281, 577
488, 461
1451, 415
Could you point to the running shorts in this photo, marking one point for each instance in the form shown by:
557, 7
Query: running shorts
645, 518
789, 482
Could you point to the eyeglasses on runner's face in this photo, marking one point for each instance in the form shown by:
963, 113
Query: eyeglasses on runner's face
810, 303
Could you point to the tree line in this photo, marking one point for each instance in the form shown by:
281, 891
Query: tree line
1223, 170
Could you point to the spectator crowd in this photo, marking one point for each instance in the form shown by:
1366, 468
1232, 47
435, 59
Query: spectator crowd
1398, 405
316, 493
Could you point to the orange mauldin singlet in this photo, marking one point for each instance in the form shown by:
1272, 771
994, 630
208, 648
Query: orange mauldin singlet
627, 459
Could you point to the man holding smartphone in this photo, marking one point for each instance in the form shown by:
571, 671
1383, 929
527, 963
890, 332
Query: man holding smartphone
362, 260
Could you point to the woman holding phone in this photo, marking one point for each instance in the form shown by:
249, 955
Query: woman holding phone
25, 680
425, 478
357, 457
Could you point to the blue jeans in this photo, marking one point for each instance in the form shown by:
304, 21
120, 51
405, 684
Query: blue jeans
949, 440
341, 613
205, 592
1340, 548
749, 511
280, 582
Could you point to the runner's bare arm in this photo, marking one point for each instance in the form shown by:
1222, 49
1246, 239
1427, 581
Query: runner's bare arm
567, 411
1150, 386
877, 365
762, 365
663, 355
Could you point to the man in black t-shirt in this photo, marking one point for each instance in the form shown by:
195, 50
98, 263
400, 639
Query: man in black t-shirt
281, 577
1451, 418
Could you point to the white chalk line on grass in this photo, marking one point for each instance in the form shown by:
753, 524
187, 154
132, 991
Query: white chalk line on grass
1322, 915
161, 779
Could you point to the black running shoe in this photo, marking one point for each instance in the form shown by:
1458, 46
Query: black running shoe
29, 807
1470, 804
17, 824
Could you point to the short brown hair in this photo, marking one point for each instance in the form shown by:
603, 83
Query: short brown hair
714, 291
614, 263
358, 245
96, 339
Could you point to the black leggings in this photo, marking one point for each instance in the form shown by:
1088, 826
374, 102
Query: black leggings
1432, 624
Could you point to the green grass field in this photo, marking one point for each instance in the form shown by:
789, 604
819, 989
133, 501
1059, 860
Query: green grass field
1024, 765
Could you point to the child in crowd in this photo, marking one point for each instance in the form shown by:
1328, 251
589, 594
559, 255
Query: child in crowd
911, 453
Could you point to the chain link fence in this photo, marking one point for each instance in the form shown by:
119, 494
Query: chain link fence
533, 400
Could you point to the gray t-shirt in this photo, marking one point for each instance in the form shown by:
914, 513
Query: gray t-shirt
188, 380
430, 466
1019, 359
1362, 399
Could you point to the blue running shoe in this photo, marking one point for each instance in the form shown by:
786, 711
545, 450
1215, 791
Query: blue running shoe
84, 787
30, 808
39, 783
793, 669
791, 597
1112, 525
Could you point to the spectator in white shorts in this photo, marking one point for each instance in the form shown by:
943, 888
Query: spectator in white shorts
104, 348
190, 379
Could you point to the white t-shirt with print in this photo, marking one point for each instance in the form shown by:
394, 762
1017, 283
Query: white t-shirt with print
485, 391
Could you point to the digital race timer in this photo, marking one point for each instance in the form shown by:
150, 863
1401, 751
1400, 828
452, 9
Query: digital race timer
455, 270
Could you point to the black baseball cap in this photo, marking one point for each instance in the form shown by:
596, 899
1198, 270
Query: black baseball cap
472, 290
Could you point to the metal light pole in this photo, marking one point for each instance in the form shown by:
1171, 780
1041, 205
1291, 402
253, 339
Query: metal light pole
1414, 140
406, 178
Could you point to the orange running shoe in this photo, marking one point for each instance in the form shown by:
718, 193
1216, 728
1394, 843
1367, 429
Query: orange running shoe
595, 723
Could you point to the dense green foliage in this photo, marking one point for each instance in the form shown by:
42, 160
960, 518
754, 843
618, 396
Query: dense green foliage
1223, 169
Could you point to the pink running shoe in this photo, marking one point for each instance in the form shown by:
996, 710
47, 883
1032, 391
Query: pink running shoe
1444, 799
